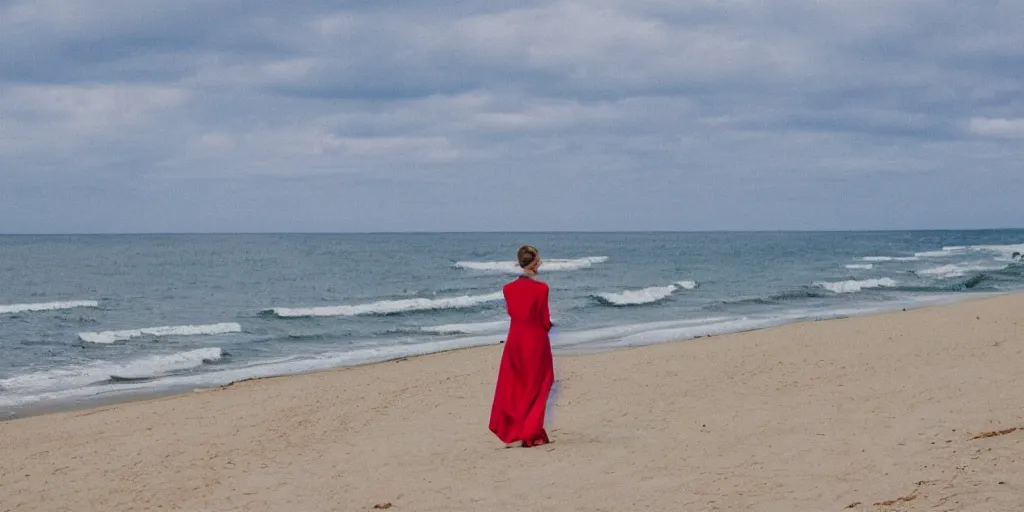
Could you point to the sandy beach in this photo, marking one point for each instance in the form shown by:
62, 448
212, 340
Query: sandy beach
908, 411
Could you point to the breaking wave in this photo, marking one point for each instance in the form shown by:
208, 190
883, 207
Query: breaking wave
552, 265
472, 328
172, 370
77, 376
777, 298
659, 332
971, 283
879, 259
1003, 252
853, 286
387, 307
48, 306
644, 296
860, 266
956, 270
108, 337
933, 254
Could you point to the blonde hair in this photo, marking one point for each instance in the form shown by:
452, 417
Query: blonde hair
526, 255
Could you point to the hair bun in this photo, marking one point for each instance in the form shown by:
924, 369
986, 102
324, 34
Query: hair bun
526, 255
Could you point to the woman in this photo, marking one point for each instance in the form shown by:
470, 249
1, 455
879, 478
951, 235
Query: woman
526, 373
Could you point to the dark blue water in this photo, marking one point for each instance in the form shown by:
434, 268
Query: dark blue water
154, 312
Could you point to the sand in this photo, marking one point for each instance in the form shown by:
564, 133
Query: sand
865, 414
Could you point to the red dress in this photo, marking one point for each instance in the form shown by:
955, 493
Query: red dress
526, 373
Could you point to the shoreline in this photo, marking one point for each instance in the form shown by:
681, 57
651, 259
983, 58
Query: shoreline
129, 397
125, 397
911, 411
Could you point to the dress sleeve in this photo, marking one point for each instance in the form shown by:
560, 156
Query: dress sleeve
545, 315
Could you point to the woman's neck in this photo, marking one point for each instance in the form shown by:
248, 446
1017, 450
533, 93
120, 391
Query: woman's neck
529, 273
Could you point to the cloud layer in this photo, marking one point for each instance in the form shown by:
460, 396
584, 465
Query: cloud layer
152, 115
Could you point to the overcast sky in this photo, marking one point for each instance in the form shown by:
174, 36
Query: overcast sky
377, 115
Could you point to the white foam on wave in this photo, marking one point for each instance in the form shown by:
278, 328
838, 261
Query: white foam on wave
108, 337
880, 259
552, 265
713, 328
357, 356
935, 254
638, 297
662, 332
88, 382
956, 270
48, 306
74, 377
646, 295
853, 286
860, 266
472, 328
389, 307
1003, 252
618, 332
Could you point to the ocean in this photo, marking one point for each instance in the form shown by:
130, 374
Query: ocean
106, 317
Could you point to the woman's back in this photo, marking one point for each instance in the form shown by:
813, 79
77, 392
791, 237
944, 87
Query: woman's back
527, 303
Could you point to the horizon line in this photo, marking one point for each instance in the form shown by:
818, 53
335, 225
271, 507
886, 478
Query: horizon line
499, 232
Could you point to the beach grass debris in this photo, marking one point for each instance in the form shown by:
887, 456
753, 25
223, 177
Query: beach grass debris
901, 499
995, 433
381, 506
904, 499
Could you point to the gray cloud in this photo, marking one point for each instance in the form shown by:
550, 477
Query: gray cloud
228, 115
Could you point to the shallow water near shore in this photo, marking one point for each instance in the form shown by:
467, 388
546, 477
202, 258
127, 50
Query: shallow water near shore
86, 318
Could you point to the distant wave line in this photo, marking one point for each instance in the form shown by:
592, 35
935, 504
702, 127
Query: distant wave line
388, 307
548, 265
471, 328
108, 337
49, 306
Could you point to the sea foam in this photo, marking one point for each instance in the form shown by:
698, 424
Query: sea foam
936, 254
618, 332
860, 266
107, 337
660, 332
389, 307
87, 381
853, 286
48, 306
956, 270
878, 259
1003, 252
472, 328
644, 296
547, 265
77, 376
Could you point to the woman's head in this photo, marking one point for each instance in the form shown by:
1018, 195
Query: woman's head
529, 258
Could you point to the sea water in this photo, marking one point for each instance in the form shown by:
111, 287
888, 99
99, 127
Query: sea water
99, 317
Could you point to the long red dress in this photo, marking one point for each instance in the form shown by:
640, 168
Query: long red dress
526, 373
